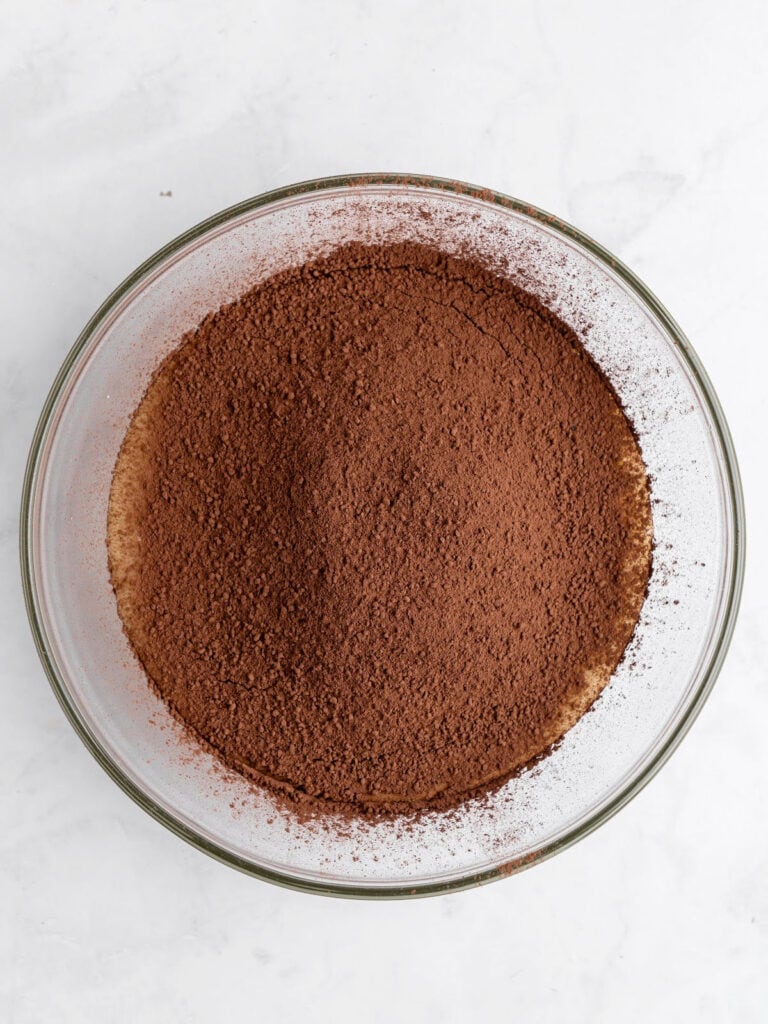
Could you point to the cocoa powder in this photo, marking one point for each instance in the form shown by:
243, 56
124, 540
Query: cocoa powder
379, 531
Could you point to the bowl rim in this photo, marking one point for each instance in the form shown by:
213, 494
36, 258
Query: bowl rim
731, 589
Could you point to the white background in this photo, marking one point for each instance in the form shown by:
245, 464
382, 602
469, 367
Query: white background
646, 125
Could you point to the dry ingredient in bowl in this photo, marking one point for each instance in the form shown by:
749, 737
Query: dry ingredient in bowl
379, 531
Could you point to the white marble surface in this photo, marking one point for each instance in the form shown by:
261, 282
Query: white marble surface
644, 124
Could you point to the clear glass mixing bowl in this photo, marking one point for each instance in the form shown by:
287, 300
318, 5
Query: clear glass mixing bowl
652, 698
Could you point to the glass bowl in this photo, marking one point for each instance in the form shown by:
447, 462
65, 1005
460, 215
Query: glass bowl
652, 698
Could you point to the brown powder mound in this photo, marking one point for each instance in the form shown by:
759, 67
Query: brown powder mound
380, 531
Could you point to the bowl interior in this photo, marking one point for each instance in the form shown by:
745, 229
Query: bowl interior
668, 667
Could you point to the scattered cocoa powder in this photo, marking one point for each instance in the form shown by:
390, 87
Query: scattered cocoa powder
380, 531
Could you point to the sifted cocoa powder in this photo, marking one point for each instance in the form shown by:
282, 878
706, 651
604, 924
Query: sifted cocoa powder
379, 531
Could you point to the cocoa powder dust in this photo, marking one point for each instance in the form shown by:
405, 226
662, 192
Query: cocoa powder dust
379, 531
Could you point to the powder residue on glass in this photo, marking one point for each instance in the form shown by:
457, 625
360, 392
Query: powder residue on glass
380, 531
